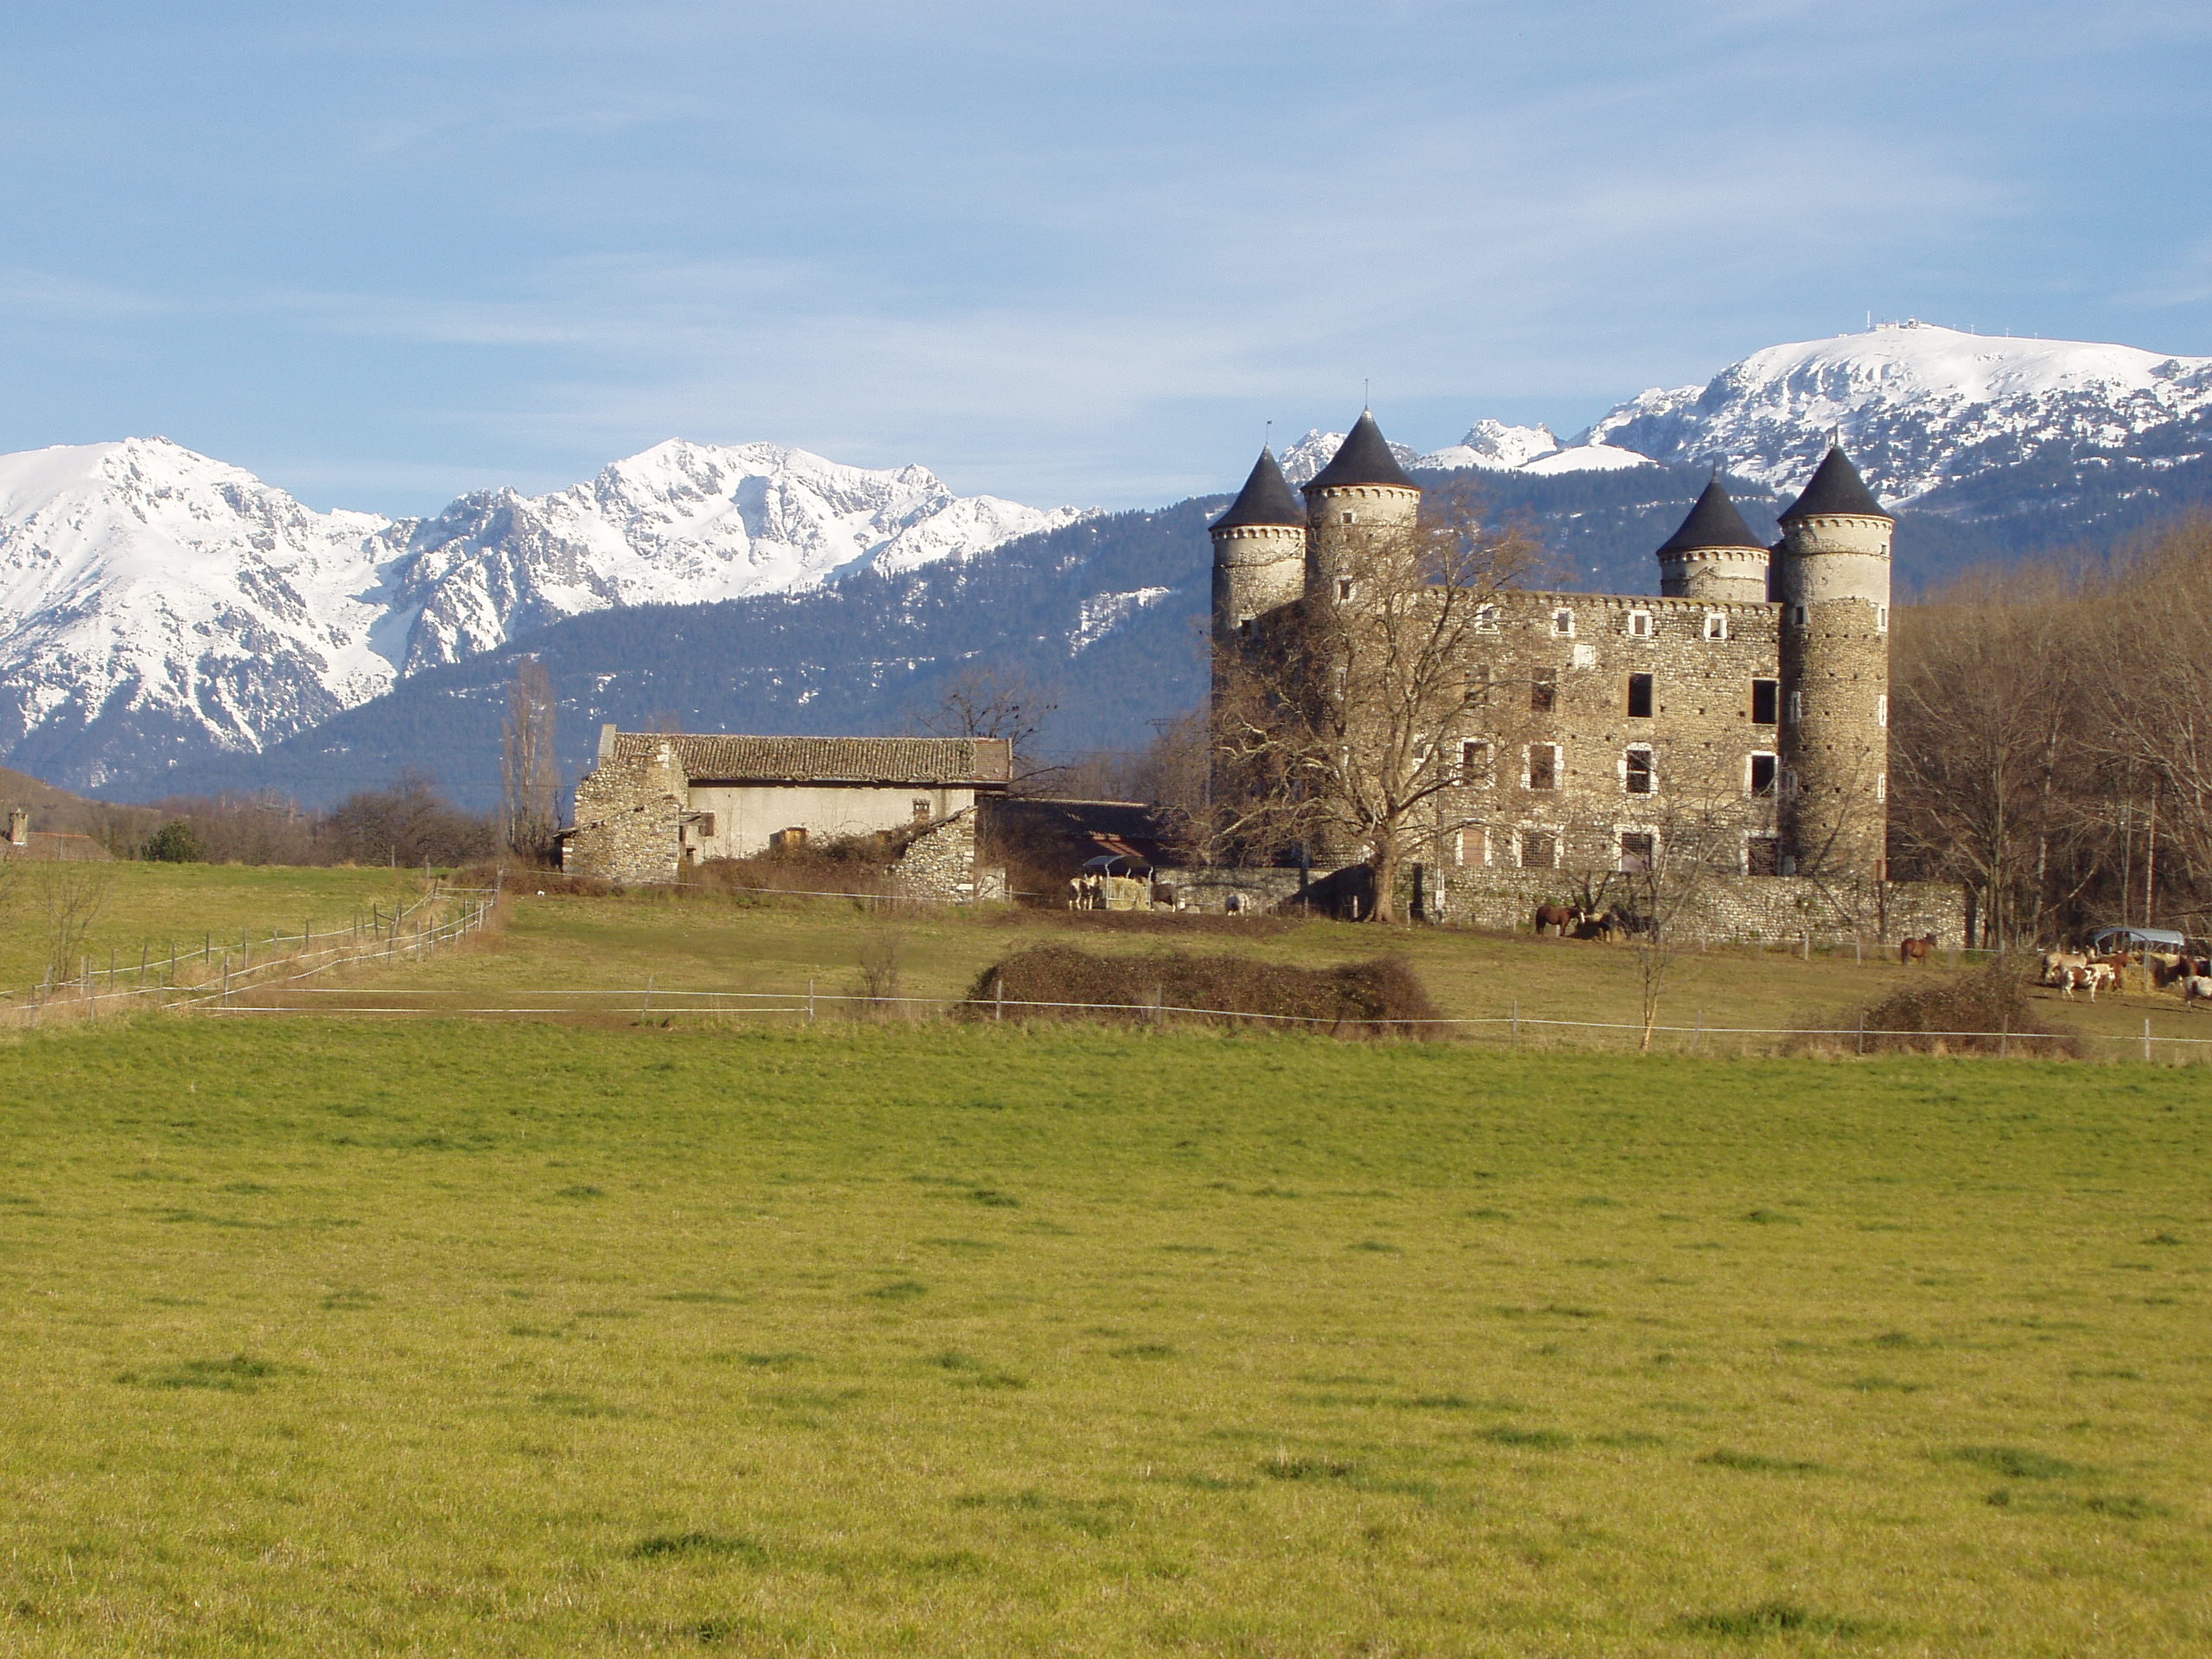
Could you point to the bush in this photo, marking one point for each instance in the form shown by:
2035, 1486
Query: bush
1990, 1003
1357, 999
174, 843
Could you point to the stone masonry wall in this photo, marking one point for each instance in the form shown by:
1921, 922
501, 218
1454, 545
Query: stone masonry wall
629, 819
1700, 732
940, 863
1731, 907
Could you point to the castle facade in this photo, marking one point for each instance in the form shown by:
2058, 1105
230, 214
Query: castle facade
1757, 678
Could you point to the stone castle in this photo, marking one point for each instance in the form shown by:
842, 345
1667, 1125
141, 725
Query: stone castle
1759, 674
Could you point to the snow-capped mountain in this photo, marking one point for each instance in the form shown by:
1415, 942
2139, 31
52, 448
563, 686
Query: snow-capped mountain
1312, 452
680, 523
155, 602
1495, 445
171, 600
1921, 408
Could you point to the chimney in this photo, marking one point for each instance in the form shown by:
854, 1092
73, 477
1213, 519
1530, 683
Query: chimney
19, 826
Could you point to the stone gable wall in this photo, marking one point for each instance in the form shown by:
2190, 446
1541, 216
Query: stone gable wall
629, 818
939, 863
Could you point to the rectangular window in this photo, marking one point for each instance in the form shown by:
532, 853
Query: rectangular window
1761, 856
1543, 766
1882, 711
1485, 619
1881, 618
1539, 850
1635, 772
921, 809
1639, 625
1244, 627
1563, 624
1474, 765
1796, 707
1881, 785
1344, 588
1763, 767
1636, 851
1716, 625
1473, 847
1478, 683
1766, 699
1543, 691
1797, 615
1639, 697
705, 827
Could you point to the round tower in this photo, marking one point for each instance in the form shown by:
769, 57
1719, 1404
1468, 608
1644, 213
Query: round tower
1362, 492
1834, 589
1714, 556
1259, 551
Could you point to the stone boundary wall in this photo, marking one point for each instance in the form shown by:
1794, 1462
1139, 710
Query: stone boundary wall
1731, 907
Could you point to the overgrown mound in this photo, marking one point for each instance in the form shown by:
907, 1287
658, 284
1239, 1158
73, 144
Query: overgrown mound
859, 867
1984, 1012
1375, 998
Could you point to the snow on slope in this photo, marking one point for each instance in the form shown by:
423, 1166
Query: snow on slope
683, 524
141, 581
1495, 445
155, 602
1584, 458
1918, 406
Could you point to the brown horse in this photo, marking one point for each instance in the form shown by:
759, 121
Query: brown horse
1917, 951
1557, 918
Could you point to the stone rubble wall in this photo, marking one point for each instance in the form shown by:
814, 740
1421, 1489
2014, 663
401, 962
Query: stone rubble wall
940, 863
629, 819
1728, 907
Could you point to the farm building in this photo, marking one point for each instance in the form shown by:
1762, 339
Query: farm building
658, 801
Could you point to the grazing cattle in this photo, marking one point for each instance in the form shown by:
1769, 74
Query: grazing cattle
1917, 951
1553, 918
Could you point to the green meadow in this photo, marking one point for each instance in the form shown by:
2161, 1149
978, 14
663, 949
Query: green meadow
446, 1337
155, 908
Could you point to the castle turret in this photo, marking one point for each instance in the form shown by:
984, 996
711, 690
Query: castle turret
1259, 551
1834, 588
1361, 492
1714, 556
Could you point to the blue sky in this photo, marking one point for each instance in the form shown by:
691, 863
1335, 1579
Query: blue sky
381, 253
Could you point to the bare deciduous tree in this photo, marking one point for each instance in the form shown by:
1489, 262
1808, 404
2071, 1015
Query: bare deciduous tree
1342, 726
981, 702
529, 771
68, 896
1692, 829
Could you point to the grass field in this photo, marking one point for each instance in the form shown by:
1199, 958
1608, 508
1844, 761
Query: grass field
523, 1339
703, 944
155, 906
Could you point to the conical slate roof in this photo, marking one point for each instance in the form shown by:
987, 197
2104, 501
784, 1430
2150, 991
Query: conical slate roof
1836, 489
1713, 522
1362, 458
1266, 498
